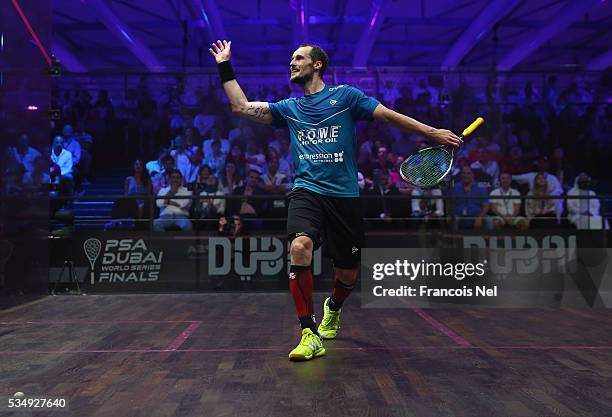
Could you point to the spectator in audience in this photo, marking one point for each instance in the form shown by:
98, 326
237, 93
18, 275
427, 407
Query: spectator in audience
553, 184
192, 137
210, 208
584, 212
63, 159
216, 158
162, 179
430, 208
540, 209
381, 162
469, 212
249, 207
174, 212
515, 164
232, 228
385, 209
394, 173
230, 178
284, 154
72, 144
457, 169
283, 167
561, 168
253, 156
237, 158
207, 145
274, 181
204, 172
488, 170
506, 209
139, 183
156, 166
181, 156
195, 161
22, 154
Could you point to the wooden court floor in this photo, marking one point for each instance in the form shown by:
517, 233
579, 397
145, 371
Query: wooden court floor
226, 355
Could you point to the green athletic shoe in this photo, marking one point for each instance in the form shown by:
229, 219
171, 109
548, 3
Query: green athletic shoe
310, 346
330, 323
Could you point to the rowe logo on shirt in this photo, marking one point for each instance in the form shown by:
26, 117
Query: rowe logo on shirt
317, 136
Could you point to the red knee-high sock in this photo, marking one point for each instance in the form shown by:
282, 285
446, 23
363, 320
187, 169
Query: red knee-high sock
301, 284
339, 293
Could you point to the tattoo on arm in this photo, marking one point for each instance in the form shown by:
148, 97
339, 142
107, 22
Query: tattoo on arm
257, 112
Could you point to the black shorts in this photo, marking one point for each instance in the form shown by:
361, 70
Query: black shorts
334, 222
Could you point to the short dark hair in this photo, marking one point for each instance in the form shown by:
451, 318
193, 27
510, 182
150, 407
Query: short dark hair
318, 54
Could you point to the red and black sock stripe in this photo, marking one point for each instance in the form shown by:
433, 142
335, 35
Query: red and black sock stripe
301, 283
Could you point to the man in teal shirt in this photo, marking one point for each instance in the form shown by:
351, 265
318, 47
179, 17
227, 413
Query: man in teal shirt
324, 206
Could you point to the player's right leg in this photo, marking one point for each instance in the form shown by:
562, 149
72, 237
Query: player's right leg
301, 285
303, 225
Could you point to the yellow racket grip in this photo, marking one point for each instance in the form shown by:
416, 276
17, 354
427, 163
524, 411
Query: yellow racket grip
468, 130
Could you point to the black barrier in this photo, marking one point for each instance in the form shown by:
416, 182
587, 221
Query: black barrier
126, 261
141, 262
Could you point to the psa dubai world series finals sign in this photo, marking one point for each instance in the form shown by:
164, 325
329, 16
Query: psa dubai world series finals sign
122, 260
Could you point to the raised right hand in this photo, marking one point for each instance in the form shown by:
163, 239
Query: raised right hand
221, 50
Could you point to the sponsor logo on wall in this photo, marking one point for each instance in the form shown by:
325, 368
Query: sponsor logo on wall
122, 260
248, 256
525, 255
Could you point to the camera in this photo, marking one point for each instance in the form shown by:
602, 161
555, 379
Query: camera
198, 187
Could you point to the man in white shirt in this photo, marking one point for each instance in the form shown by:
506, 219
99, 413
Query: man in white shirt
174, 212
63, 158
507, 209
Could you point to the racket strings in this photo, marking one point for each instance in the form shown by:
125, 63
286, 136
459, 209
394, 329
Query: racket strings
427, 168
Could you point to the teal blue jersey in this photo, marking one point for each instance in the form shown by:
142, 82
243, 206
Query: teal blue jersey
323, 140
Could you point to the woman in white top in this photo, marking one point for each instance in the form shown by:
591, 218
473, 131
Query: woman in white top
230, 178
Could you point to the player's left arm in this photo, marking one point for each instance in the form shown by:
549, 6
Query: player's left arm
403, 122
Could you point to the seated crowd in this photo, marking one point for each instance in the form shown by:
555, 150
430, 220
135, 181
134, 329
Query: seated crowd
517, 177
